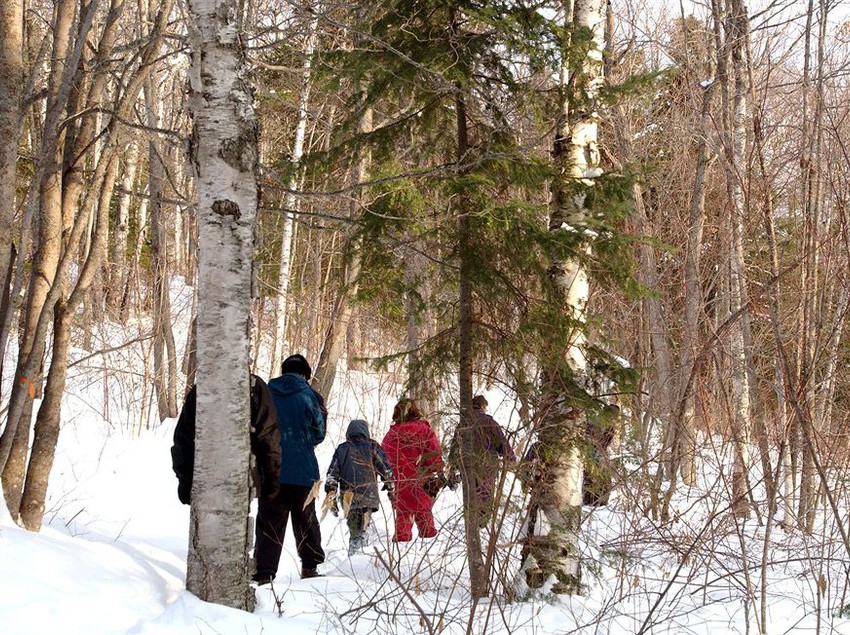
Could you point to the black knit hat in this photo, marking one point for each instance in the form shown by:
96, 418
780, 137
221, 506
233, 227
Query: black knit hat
296, 364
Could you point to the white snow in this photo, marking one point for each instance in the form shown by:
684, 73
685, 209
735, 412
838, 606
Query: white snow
110, 558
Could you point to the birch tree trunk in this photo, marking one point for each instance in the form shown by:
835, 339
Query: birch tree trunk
735, 139
118, 271
811, 284
576, 156
47, 179
343, 307
164, 350
291, 202
226, 157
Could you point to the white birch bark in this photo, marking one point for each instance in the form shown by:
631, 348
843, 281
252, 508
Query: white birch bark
120, 232
291, 200
577, 156
735, 141
226, 157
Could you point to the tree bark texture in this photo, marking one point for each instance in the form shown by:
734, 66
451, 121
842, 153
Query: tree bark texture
226, 155
48, 177
735, 146
164, 350
477, 570
576, 156
11, 83
291, 200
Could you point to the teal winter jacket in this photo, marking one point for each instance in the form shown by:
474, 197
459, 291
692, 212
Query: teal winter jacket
302, 419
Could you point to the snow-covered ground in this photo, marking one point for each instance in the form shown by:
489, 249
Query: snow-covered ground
111, 556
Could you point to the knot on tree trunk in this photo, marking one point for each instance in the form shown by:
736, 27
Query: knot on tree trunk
226, 207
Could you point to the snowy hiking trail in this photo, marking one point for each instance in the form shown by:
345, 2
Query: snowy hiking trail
110, 560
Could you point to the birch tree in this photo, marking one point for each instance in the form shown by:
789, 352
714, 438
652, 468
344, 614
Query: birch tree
576, 156
291, 202
47, 187
226, 154
736, 115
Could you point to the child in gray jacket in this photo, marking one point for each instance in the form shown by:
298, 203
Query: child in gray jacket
354, 468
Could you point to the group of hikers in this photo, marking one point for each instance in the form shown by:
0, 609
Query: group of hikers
289, 419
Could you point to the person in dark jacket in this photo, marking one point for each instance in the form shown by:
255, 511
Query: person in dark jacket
354, 468
600, 430
414, 453
480, 450
265, 443
302, 419
536, 481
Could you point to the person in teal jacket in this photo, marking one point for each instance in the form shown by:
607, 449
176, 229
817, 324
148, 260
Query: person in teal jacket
302, 418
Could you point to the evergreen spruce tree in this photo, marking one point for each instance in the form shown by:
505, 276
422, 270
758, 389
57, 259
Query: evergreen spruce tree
464, 98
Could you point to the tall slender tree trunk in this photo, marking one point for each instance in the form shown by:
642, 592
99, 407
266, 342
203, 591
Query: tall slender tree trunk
343, 306
118, 269
477, 570
576, 157
662, 390
164, 349
48, 177
735, 136
684, 437
291, 202
226, 136
47, 424
11, 82
811, 284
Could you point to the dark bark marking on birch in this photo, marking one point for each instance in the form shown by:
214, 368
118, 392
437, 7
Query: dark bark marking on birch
226, 207
237, 152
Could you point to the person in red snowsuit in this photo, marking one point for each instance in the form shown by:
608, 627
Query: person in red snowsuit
414, 453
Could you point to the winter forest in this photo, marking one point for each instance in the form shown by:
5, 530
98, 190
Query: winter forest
621, 215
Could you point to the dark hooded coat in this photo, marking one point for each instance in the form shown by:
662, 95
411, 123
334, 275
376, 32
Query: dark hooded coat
355, 467
265, 442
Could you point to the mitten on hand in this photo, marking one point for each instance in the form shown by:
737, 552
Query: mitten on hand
433, 484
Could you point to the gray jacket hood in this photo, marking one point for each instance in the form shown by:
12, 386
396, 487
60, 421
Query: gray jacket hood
357, 428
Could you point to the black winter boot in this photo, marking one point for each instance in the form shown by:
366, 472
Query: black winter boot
262, 578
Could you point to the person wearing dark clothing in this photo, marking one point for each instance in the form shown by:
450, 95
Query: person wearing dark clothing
597, 481
354, 471
414, 453
480, 449
532, 476
302, 419
598, 475
265, 443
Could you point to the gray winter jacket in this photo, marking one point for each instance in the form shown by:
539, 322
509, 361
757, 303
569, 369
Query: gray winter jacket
355, 467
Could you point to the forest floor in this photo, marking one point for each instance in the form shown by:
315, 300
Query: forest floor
111, 556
